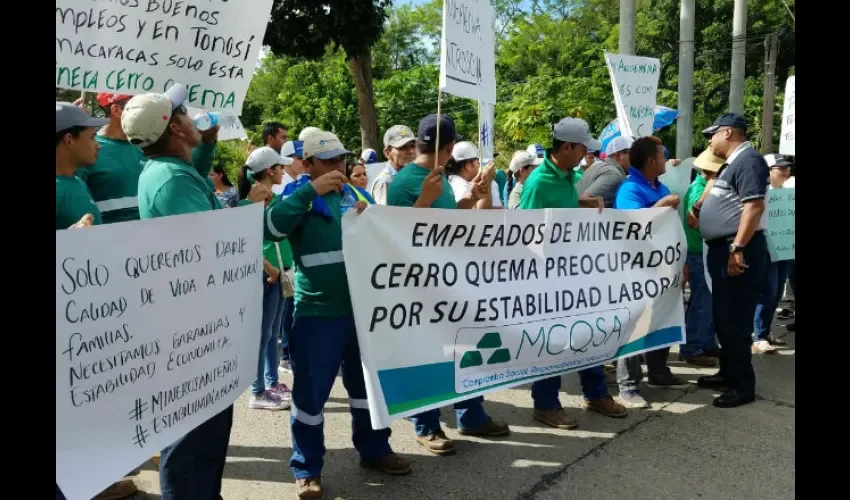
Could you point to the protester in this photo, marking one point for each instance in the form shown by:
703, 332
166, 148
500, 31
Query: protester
730, 223
294, 150
604, 177
274, 135
421, 184
775, 274
501, 179
114, 179
227, 195
324, 336
522, 164
700, 347
357, 175
552, 185
399, 149
464, 168
642, 189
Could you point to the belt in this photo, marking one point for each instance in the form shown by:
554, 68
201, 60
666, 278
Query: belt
728, 239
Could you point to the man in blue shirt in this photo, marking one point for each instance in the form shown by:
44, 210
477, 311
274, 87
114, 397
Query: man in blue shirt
642, 189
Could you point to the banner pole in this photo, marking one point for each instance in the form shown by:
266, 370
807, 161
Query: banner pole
439, 109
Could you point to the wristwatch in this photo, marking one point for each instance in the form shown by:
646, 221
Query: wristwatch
734, 247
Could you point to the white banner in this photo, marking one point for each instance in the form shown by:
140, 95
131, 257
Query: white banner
635, 83
450, 305
487, 130
467, 50
231, 130
787, 139
157, 330
138, 46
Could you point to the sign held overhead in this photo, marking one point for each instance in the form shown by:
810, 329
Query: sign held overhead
467, 50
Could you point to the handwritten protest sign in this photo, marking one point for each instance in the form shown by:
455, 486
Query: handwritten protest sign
137, 46
486, 130
787, 139
635, 83
235, 130
467, 50
781, 224
157, 330
448, 308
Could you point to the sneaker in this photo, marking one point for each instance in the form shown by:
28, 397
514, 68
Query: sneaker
437, 443
669, 382
281, 391
633, 399
763, 347
309, 488
391, 464
267, 401
555, 418
701, 360
606, 406
490, 428
285, 366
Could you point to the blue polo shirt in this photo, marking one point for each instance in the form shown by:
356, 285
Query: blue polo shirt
637, 192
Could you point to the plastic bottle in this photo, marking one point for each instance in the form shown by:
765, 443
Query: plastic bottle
348, 200
209, 120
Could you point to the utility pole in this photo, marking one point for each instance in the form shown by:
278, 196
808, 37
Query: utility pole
739, 53
684, 123
628, 18
771, 48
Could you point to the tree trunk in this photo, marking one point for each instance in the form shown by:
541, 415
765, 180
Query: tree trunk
360, 66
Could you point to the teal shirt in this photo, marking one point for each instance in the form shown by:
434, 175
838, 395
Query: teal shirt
549, 187
321, 285
170, 186
405, 188
73, 201
114, 179
692, 195
501, 180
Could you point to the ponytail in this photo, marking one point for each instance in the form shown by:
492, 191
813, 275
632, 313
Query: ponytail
511, 182
244, 181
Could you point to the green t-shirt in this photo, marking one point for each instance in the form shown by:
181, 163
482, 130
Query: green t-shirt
549, 187
692, 195
270, 247
73, 201
577, 173
405, 188
170, 186
501, 180
114, 179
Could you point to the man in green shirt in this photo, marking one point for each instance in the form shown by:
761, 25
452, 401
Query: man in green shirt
422, 184
114, 178
324, 335
552, 185
76, 148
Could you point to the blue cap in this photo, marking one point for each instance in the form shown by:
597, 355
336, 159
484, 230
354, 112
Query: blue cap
292, 148
427, 131
728, 120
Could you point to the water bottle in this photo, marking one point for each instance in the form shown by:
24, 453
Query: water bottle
206, 121
348, 200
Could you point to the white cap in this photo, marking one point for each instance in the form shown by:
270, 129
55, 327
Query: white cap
522, 159
307, 131
577, 131
398, 136
536, 149
324, 146
369, 156
146, 116
265, 157
464, 150
618, 144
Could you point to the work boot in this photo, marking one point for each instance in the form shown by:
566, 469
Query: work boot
490, 428
555, 418
701, 360
437, 443
391, 464
309, 488
122, 489
606, 406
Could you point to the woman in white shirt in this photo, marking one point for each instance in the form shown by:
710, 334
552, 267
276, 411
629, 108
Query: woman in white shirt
463, 169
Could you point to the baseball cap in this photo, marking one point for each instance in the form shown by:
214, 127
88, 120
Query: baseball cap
728, 120
324, 146
464, 151
778, 161
618, 144
146, 116
536, 150
708, 161
522, 159
369, 156
428, 130
292, 148
104, 99
577, 131
265, 157
398, 136
69, 115
307, 131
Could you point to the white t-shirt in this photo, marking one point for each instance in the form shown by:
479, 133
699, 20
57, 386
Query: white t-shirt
461, 188
278, 188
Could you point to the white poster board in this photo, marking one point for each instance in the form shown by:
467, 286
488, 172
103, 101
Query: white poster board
634, 80
449, 307
157, 330
787, 139
467, 50
138, 46
225, 133
486, 130
677, 178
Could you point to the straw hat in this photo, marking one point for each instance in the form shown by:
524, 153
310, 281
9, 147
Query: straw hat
708, 161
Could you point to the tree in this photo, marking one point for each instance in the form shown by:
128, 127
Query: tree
305, 28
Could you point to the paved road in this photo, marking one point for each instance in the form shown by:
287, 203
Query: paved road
681, 448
